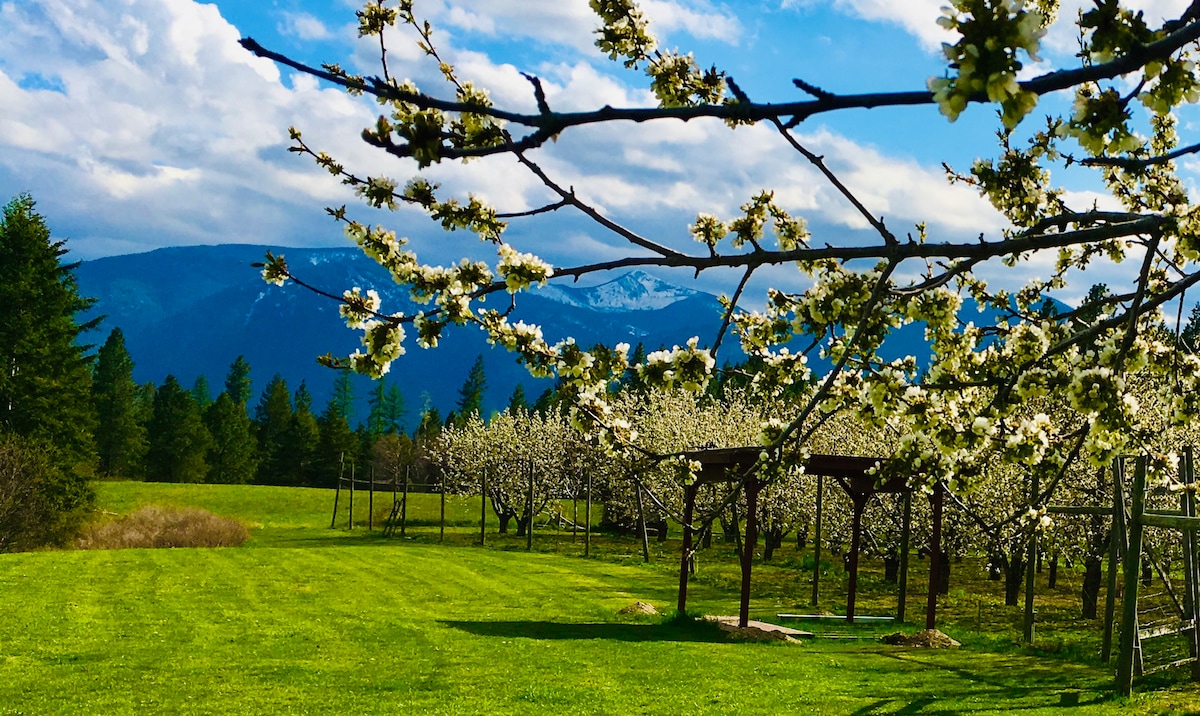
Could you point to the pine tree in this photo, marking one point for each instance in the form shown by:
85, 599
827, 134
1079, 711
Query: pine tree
237, 381
470, 395
1190, 335
430, 425
120, 434
272, 419
178, 439
343, 396
387, 410
301, 441
517, 400
45, 379
201, 393
338, 444
233, 453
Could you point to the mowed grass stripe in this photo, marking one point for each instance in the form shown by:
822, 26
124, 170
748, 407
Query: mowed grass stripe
351, 623
393, 629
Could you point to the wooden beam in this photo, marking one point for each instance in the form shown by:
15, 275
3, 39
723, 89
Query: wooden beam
1176, 522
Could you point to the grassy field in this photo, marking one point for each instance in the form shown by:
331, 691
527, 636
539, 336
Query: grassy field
305, 619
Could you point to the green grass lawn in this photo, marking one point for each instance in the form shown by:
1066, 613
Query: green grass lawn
304, 619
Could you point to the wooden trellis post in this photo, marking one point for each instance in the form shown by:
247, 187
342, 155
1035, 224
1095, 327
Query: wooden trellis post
905, 536
816, 578
337, 490
1031, 563
483, 507
1133, 569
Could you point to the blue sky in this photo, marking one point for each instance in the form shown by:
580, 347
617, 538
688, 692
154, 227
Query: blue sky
137, 124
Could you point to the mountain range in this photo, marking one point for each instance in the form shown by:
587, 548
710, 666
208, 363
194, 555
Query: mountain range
190, 311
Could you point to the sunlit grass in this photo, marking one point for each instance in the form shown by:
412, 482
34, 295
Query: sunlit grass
305, 619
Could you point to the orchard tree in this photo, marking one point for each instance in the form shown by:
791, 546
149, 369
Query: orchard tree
1131, 78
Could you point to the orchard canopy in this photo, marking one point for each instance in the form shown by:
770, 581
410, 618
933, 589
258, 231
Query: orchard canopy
1022, 380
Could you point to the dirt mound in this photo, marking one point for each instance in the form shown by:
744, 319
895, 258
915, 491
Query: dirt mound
929, 639
758, 631
639, 608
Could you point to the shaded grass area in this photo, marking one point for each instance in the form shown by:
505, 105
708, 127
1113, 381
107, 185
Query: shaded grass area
354, 623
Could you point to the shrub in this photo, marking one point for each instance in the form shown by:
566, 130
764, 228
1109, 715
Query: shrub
153, 526
40, 504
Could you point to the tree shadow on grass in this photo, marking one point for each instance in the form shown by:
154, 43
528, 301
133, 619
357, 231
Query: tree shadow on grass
1011, 683
555, 631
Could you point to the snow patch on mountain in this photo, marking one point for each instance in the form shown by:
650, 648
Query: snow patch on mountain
635, 291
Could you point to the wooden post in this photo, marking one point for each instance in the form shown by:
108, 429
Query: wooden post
689, 504
371, 502
816, 579
350, 519
442, 516
1031, 563
404, 505
483, 506
860, 503
529, 524
905, 537
587, 516
935, 557
1191, 599
642, 524
1133, 570
337, 491
751, 543
1116, 545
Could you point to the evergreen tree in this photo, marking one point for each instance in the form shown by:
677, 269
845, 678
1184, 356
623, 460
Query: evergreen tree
430, 425
337, 445
1190, 335
178, 439
273, 418
201, 393
301, 442
237, 381
343, 396
517, 400
45, 378
470, 395
387, 410
120, 434
145, 402
233, 453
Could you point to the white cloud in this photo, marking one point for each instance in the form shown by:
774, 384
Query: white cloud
303, 26
165, 131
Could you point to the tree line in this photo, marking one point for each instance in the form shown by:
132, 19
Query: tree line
71, 413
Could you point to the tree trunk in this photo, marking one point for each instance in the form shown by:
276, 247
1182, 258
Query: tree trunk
1052, 580
772, 540
661, 529
1090, 592
891, 566
1014, 571
995, 567
504, 520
